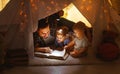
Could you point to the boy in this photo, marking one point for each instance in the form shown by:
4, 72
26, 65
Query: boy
61, 37
80, 42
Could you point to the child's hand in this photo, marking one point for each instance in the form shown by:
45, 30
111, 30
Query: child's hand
65, 47
74, 53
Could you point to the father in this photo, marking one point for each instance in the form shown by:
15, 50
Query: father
42, 37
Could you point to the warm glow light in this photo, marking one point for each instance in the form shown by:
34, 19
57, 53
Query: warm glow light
49, 8
73, 14
3, 4
52, 2
23, 15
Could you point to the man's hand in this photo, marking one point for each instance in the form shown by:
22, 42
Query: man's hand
48, 50
44, 49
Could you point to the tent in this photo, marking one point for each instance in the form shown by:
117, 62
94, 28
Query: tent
18, 20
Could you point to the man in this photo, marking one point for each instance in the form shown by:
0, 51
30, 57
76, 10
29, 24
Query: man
42, 37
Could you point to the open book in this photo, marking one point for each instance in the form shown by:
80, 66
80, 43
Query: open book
55, 54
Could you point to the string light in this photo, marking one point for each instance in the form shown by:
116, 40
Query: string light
23, 16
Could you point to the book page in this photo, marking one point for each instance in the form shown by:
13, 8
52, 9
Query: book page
41, 53
57, 53
53, 53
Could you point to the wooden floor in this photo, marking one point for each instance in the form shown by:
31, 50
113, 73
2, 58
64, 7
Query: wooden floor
112, 67
73, 69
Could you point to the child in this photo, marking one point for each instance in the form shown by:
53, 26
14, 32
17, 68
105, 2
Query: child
61, 37
80, 41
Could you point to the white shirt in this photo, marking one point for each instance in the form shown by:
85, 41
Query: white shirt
80, 43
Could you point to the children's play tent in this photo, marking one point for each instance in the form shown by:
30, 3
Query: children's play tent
18, 20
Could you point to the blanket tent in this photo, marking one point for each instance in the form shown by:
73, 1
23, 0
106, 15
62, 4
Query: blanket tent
18, 20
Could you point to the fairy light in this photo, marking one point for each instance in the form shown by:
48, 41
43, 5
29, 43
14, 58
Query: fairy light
88, 8
52, 2
23, 16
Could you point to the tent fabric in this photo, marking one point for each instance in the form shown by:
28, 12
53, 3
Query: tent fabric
43, 8
19, 21
19, 18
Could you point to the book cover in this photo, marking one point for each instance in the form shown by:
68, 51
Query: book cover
55, 54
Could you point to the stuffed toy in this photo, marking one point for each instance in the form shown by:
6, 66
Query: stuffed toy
108, 49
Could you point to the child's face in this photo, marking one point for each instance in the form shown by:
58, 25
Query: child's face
60, 38
78, 33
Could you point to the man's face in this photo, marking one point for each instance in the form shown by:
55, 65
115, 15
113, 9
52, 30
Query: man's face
44, 33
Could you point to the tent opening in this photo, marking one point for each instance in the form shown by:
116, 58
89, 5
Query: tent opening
66, 17
73, 14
